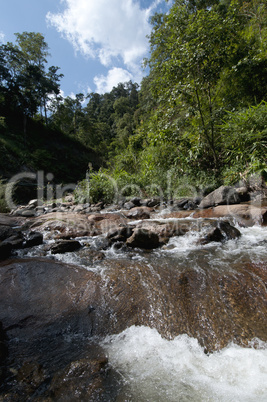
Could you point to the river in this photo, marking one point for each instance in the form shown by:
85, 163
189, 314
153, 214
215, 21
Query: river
154, 364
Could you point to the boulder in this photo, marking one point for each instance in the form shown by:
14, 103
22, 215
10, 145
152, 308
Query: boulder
33, 239
129, 205
138, 213
144, 238
223, 231
224, 195
120, 234
65, 246
16, 241
229, 231
41, 301
6, 232
136, 201
5, 250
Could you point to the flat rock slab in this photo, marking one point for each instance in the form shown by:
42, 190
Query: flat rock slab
244, 214
41, 298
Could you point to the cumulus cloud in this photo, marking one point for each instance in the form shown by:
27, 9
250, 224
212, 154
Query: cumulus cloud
114, 76
111, 31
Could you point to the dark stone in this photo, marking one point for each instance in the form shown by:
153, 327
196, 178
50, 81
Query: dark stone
229, 231
153, 203
223, 231
33, 239
5, 250
3, 346
144, 238
120, 234
136, 201
16, 241
65, 246
5, 232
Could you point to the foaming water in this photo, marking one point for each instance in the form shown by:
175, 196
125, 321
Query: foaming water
251, 246
157, 369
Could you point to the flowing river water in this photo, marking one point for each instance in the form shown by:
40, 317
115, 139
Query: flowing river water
154, 359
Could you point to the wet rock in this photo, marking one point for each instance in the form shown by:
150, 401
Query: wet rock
33, 239
245, 215
16, 241
230, 232
214, 234
82, 380
223, 231
31, 375
65, 246
42, 297
5, 250
224, 195
5, 232
120, 234
139, 213
3, 345
144, 238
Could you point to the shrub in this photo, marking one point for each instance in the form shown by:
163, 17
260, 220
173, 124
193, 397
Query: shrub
3, 205
98, 186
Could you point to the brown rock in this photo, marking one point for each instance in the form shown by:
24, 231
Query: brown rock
138, 213
144, 238
40, 296
83, 380
244, 214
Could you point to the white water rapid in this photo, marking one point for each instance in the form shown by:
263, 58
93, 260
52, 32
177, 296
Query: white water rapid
158, 370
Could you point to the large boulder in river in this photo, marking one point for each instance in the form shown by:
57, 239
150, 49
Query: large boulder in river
43, 301
65, 246
223, 195
144, 238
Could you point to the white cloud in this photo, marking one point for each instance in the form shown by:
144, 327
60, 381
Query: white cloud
112, 31
114, 76
2, 37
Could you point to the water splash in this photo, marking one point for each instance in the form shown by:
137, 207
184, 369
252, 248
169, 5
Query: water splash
156, 369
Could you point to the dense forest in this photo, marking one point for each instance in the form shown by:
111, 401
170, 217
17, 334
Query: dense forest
198, 119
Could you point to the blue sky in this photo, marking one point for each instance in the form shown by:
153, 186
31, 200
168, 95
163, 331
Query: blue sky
96, 43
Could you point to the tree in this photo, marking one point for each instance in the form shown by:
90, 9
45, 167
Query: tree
195, 50
24, 78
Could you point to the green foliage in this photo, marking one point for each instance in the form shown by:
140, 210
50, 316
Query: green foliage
245, 137
98, 186
3, 206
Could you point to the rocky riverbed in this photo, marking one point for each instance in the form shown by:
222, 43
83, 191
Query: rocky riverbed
70, 279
